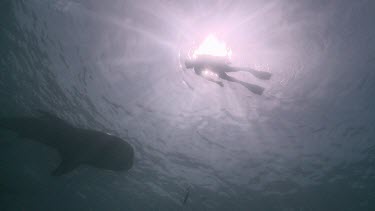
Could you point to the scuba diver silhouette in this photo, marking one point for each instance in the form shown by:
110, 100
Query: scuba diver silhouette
221, 66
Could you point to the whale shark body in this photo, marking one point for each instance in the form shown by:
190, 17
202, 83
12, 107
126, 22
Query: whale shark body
76, 146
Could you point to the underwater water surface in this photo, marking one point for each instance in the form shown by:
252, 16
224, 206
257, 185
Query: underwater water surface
307, 143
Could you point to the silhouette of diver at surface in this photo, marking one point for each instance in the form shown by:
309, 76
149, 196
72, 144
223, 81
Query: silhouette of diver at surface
221, 67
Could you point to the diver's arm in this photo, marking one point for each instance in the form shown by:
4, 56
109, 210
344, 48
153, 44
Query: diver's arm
216, 82
198, 71
212, 80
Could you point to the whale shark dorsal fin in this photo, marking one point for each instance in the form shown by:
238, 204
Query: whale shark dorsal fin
65, 167
52, 117
48, 115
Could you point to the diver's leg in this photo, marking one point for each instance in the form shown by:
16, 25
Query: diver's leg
251, 87
263, 75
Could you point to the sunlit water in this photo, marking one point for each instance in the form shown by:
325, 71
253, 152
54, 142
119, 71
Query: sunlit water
307, 143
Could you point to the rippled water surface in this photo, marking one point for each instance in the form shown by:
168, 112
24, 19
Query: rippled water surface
307, 143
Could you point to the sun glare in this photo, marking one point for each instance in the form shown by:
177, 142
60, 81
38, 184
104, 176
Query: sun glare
213, 47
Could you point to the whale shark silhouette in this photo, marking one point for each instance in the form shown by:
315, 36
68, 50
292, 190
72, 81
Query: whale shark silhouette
76, 146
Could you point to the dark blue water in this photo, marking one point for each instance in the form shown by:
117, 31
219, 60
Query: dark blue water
307, 143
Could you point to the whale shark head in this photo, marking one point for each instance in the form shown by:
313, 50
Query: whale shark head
76, 146
99, 150
96, 149
115, 154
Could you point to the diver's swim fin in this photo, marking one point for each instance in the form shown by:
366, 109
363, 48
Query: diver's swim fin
263, 75
253, 88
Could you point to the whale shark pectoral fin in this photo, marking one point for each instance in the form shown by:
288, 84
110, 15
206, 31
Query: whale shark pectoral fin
65, 167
